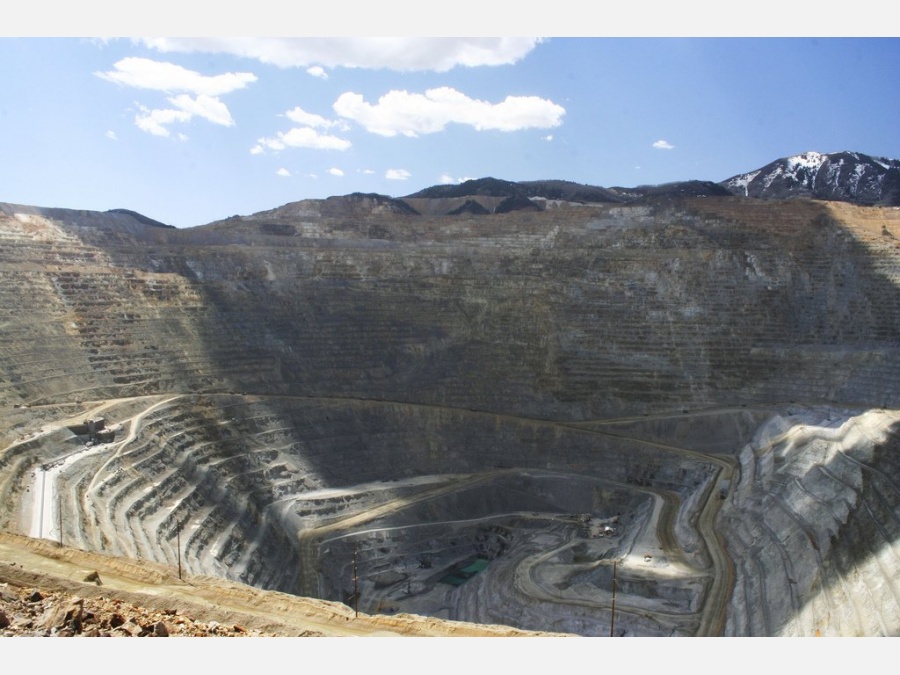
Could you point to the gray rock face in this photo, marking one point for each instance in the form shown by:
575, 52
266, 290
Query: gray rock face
474, 416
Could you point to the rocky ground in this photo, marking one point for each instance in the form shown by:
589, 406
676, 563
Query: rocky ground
31, 612
51, 591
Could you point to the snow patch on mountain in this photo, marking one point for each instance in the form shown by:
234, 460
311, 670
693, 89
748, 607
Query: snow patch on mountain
809, 160
740, 183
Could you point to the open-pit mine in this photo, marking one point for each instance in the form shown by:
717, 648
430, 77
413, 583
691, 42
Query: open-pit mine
674, 417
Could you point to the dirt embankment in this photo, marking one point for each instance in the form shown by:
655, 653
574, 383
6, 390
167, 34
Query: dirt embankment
50, 590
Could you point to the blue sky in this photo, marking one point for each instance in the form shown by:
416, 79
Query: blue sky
188, 131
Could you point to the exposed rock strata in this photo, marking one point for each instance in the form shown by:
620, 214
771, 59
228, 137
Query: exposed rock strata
703, 391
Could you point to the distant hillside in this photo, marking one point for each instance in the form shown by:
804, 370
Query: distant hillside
140, 218
485, 187
689, 188
119, 223
364, 203
541, 189
492, 195
842, 176
851, 177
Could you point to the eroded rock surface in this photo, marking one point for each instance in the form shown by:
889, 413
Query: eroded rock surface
509, 418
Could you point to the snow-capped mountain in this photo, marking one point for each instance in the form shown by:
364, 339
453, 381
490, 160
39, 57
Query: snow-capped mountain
841, 176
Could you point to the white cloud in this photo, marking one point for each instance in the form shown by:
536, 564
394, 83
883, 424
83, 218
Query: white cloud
283, 172
304, 136
447, 179
207, 107
300, 137
111, 135
196, 94
548, 137
317, 71
155, 121
307, 119
663, 145
368, 172
161, 76
399, 112
397, 174
395, 53
336, 172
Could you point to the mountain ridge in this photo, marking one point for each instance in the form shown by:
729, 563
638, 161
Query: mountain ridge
846, 176
852, 177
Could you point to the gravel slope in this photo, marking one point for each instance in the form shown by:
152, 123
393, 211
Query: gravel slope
47, 590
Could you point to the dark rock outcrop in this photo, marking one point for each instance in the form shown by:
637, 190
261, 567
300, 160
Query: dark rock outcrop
517, 203
470, 206
141, 218
359, 203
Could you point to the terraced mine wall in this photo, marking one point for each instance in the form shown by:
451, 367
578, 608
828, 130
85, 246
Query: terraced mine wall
487, 417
